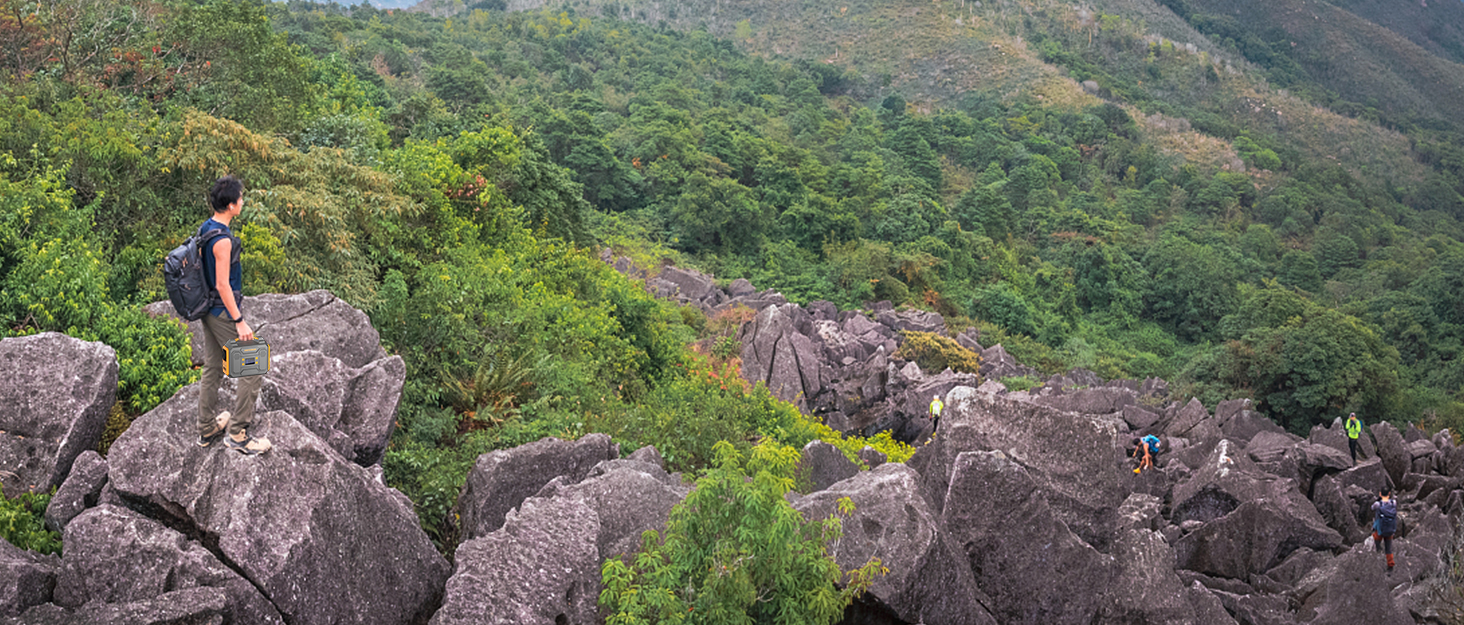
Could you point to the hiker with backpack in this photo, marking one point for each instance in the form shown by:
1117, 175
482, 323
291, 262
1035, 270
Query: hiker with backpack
1385, 524
1145, 449
205, 281
1354, 430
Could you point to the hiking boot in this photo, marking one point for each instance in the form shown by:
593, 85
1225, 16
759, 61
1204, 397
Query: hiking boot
206, 440
1390, 563
248, 445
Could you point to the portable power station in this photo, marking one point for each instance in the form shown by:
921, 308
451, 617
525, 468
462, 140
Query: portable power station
246, 358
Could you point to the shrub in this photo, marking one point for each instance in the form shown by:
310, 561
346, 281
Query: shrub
22, 523
735, 551
934, 353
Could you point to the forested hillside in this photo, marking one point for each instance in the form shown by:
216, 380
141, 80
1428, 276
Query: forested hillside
1079, 190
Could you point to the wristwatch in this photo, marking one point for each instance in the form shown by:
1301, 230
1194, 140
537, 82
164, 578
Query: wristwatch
241, 318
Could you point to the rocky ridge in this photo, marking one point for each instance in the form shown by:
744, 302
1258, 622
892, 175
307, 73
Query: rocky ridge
1023, 510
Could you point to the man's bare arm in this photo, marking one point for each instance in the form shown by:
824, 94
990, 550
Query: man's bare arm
221, 251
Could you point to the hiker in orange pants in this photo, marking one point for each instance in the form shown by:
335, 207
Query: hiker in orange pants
1385, 524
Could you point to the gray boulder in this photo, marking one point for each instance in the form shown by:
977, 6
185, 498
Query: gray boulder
929, 580
353, 409
1139, 419
1193, 422
26, 579
1246, 424
1254, 537
55, 395
1100, 400
291, 521
190, 606
777, 351
115, 555
912, 321
1145, 589
1141, 511
821, 465
540, 568
1076, 459
740, 288
1394, 452
1352, 588
80, 491
1207, 607
1343, 498
1035, 569
315, 320
502, 479
872, 457
628, 498
688, 284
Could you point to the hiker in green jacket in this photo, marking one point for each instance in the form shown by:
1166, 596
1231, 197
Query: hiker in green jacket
1354, 430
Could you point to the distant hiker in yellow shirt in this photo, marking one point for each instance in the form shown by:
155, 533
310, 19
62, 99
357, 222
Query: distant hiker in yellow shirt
1354, 430
935, 407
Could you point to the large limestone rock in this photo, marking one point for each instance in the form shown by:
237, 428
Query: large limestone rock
319, 536
1254, 537
115, 555
1250, 520
1194, 423
1394, 452
1077, 460
540, 568
1035, 569
1101, 400
777, 350
353, 409
80, 491
629, 497
55, 395
502, 479
1352, 588
190, 606
1145, 589
821, 464
1343, 498
929, 579
26, 579
315, 320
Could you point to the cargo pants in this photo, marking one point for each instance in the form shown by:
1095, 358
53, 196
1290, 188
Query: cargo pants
218, 330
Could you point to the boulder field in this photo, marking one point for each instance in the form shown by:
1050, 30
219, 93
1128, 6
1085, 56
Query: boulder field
1024, 509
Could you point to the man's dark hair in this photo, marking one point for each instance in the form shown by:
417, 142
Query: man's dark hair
1387, 491
225, 192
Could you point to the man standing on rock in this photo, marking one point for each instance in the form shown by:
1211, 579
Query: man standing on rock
1354, 430
223, 323
935, 407
1385, 524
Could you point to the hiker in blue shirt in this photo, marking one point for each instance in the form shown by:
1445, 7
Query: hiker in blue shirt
1145, 449
1385, 524
223, 323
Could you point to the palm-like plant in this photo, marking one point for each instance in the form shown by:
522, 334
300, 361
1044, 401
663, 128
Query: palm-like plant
497, 388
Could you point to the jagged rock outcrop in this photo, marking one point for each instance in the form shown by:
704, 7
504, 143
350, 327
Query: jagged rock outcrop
1394, 452
1352, 588
502, 479
821, 465
115, 555
629, 497
190, 606
1335, 436
1034, 568
327, 369
293, 521
1076, 459
55, 395
353, 409
543, 564
1092, 401
777, 350
537, 568
929, 579
1249, 520
26, 579
1144, 590
80, 491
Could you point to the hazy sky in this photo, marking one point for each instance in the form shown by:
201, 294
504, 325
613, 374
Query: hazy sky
389, 4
